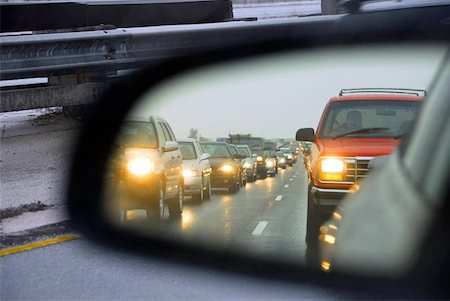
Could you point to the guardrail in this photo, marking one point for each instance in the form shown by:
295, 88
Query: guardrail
26, 56
104, 51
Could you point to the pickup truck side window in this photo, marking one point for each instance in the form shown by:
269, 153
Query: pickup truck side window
166, 132
162, 134
171, 132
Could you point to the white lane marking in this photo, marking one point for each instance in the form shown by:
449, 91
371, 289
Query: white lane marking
278, 198
291, 179
259, 228
286, 186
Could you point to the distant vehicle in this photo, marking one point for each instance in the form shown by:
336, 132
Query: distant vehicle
355, 127
196, 170
239, 159
281, 160
271, 164
249, 162
289, 155
225, 171
148, 167
256, 145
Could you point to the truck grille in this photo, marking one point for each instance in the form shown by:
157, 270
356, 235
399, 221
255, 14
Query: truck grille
356, 169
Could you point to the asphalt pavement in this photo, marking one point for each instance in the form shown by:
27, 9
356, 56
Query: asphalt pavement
265, 218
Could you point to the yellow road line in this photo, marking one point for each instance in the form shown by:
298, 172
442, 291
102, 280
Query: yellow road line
38, 244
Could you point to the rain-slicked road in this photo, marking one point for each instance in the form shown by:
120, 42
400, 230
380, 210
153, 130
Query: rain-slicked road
266, 217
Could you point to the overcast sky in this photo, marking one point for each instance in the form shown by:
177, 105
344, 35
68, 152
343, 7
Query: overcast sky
274, 96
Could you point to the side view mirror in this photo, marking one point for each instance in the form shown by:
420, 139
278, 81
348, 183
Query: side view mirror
254, 156
170, 146
305, 134
205, 156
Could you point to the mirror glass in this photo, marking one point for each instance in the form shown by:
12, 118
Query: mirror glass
160, 183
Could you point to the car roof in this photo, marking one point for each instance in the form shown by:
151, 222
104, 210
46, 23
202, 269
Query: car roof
186, 140
375, 97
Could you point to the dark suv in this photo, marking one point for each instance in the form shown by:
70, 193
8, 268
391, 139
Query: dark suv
147, 168
225, 170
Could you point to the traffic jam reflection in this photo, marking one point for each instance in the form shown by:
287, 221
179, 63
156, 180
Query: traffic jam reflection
256, 203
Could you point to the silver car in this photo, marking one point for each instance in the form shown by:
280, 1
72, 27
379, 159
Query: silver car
196, 170
249, 162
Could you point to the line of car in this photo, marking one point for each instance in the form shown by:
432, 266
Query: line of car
152, 170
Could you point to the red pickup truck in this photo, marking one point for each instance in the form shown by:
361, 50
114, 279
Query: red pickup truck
355, 127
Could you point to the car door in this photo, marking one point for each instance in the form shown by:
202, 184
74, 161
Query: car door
204, 165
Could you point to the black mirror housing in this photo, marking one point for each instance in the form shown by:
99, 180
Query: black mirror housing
305, 134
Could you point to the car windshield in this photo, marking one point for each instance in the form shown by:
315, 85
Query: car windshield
187, 150
216, 150
369, 118
244, 151
138, 134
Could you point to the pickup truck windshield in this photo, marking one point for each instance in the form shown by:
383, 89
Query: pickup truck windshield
216, 150
138, 134
360, 118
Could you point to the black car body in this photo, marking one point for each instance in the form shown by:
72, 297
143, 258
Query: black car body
225, 171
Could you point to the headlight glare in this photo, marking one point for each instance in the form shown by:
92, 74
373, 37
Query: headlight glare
332, 166
190, 173
140, 166
226, 168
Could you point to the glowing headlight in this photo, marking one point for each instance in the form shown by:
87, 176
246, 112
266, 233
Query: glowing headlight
226, 168
282, 160
269, 163
247, 165
140, 166
289, 156
332, 166
190, 173
259, 158
138, 161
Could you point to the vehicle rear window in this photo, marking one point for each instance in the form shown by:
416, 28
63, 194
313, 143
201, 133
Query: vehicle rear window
187, 150
138, 134
216, 150
387, 118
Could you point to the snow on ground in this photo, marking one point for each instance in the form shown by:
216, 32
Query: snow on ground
35, 155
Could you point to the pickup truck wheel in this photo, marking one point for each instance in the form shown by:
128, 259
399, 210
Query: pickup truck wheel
175, 204
156, 209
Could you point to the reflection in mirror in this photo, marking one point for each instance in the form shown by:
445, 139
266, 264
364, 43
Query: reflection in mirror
210, 157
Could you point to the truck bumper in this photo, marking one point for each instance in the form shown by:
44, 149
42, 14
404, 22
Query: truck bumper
326, 197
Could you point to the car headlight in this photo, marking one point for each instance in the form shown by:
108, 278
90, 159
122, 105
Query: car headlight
289, 156
332, 170
190, 173
282, 160
139, 161
259, 158
140, 166
247, 165
226, 168
269, 163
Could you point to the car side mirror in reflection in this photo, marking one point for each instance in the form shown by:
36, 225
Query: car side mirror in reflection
305, 134
170, 146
